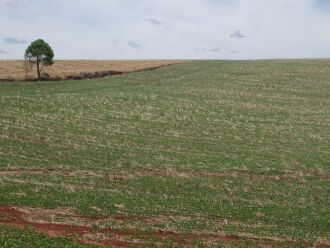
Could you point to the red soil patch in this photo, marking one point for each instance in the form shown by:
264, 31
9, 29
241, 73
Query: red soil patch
14, 216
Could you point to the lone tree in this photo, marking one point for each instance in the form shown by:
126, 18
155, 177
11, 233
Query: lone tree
39, 53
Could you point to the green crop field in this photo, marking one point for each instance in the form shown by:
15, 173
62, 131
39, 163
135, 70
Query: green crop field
200, 154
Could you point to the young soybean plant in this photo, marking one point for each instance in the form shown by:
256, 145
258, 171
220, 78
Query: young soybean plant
39, 53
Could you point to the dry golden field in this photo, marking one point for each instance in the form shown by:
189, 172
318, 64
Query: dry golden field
63, 69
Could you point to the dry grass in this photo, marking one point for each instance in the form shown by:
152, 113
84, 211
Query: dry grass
15, 69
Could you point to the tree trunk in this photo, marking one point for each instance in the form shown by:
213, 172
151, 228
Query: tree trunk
38, 69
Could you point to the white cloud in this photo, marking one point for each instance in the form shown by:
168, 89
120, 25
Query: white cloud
180, 28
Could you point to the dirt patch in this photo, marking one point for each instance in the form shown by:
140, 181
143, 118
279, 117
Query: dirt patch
13, 70
26, 217
14, 217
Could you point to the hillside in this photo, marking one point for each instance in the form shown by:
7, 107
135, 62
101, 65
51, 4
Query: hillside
220, 153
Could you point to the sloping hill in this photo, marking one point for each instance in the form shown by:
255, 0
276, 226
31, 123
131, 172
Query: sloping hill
211, 152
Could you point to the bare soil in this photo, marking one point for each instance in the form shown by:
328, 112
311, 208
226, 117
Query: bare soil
21, 217
14, 70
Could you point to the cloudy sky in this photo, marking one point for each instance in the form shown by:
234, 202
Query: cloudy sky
167, 29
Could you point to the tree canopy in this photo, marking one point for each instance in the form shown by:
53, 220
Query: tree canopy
39, 53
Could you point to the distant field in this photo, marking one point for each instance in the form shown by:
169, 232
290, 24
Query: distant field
199, 154
14, 69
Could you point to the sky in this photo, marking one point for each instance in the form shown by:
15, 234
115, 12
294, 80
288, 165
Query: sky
167, 29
